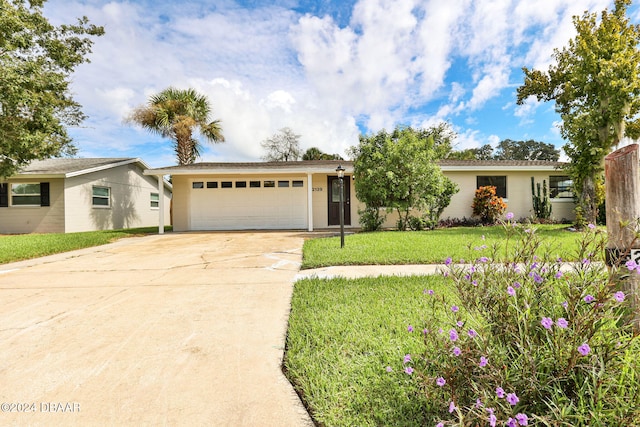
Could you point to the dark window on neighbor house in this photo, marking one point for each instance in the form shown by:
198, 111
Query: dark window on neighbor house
155, 201
212, 184
269, 184
297, 183
198, 184
254, 184
560, 187
226, 184
500, 182
241, 184
25, 194
4, 195
101, 197
283, 183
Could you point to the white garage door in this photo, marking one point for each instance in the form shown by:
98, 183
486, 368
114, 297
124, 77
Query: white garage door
246, 204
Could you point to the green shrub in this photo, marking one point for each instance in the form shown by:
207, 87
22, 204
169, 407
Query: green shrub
371, 219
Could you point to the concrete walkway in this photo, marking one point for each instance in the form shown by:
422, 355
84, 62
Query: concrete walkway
172, 330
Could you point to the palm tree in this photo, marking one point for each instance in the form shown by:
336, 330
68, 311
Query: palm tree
176, 114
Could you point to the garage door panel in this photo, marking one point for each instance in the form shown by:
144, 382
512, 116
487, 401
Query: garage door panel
249, 208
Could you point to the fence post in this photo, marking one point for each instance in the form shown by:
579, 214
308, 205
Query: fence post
622, 185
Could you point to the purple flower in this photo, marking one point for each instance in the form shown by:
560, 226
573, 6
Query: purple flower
511, 291
453, 335
483, 259
523, 420
448, 261
631, 264
512, 423
562, 323
430, 292
457, 351
407, 358
509, 215
455, 308
492, 420
452, 406
585, 261
589, 298
591, 226
408, 370
410, 328
546, 322
500, 392
512, 399
425, 331
478, 403
537, 278
565, 304
472, 333
483, 361
440, 381
440, 425
619, 296
389, 369
558, 275
584, 349
517, 285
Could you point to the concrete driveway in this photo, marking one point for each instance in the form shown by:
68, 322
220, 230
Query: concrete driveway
177, 330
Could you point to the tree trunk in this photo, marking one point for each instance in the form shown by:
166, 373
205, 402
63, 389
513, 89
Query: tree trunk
588, 200
622, 180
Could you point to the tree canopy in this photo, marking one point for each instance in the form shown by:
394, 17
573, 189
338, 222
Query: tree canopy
283, 146
596, 86
314, 153
510, 150
399, 170
178, 114
36, 63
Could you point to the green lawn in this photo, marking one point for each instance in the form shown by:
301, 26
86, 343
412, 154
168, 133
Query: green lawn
26, 246
342, 335
425, 247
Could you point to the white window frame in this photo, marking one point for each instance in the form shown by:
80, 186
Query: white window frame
99, 196
30, 205
154, 204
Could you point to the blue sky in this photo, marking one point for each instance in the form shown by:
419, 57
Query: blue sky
329, 70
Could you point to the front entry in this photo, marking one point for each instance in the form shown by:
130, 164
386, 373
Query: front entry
334, 200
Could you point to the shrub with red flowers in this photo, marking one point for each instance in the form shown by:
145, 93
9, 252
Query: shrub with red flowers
487, 205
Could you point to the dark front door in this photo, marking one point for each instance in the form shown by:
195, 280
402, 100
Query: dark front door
334, 200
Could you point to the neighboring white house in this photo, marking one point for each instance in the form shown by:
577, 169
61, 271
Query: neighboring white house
305, 194
66, 195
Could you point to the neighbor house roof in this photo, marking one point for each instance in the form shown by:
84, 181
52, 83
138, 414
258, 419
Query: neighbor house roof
321, 166
70, 167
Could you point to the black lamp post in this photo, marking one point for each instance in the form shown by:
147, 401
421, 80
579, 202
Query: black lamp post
340, 171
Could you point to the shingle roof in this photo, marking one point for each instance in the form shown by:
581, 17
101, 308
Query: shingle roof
64, 166
499, 163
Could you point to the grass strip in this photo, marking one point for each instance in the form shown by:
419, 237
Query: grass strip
19, 247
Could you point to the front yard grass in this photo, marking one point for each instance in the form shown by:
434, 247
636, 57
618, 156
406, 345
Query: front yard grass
19, 247
342, 336
424, 247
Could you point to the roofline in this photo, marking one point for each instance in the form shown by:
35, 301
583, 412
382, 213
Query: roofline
143, 165
258, 168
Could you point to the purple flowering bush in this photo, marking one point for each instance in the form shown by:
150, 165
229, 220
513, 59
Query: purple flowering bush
532, 341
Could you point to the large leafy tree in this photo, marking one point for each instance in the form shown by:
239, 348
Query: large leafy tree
283, 146
399, 170
36, 62
178, 114
314, 153
526, 150
595, 84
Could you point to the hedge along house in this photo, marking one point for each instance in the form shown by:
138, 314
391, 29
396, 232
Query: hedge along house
305, 194
67, 195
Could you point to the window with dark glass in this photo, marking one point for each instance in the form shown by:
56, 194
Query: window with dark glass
283, 183
241, 184
269, 184
226, 184
254, 184
297, 183
198, 184
212, 184
560, 187
101, 197
500, 182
